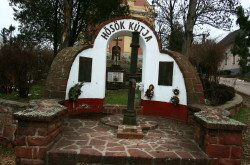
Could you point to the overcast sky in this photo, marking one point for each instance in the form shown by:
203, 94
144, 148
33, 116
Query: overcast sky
6, 19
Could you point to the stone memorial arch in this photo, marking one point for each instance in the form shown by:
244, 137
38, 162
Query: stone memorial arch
171, 74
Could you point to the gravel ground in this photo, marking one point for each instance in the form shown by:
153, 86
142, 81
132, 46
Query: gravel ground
7, 158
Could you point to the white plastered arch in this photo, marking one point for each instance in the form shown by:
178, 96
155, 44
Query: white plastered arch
151, 58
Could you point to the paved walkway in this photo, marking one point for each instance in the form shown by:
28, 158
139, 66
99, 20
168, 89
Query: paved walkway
239, 85
86, 140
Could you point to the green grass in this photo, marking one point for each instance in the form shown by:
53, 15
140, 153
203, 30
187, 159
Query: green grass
246, 78
243, 115
119, 96
36, 92
112, 96
116, 96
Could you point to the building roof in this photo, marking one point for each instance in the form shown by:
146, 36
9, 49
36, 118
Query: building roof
229, 39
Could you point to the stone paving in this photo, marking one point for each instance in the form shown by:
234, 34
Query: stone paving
86, 140
146, 123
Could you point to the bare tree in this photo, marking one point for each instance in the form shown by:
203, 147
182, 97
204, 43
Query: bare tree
167, 18
206, 57
193, 13
189, 26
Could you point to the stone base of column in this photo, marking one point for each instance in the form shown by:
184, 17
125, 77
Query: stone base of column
129, 132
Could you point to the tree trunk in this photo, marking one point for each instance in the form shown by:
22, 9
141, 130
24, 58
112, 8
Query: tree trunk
55, 44
68, 5
73, 33
189, 26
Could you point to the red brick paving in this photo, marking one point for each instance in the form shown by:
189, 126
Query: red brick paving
88, 141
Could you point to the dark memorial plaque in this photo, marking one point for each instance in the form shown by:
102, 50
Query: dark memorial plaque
165, 76
85, 69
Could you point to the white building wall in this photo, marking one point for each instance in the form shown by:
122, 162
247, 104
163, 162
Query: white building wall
150, 68
230, 62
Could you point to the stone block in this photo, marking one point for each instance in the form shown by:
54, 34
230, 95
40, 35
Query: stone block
40, 152
229, 162
26, 131
230, 138
173, 161
38, 141
198, 134
90, 155
189, 74
62, 158
8, 131
129, 132
23, 152
1, 129
211, 139
96, 142
198, 88
184, 155
139, 157
189, 85
236, 152
214, 161
115, 158
6, 119
52, 126
30, 162
42, 131
1, 109
217, 151
20, 140
201, 98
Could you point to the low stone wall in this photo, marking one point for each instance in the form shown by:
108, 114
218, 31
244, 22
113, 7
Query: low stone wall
7, 123
219, 137
37, 130
233, 106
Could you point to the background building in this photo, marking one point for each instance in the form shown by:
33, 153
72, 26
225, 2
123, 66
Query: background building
138, 8
231, 62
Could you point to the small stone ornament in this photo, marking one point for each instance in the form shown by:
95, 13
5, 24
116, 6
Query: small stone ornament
176, 92
150, 92
175, 100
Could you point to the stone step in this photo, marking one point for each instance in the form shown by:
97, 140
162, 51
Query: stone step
91, 158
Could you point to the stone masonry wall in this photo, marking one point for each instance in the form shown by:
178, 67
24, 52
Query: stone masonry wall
220, 139
34, 139
193, 83
38, 128
7, 123
57, 79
